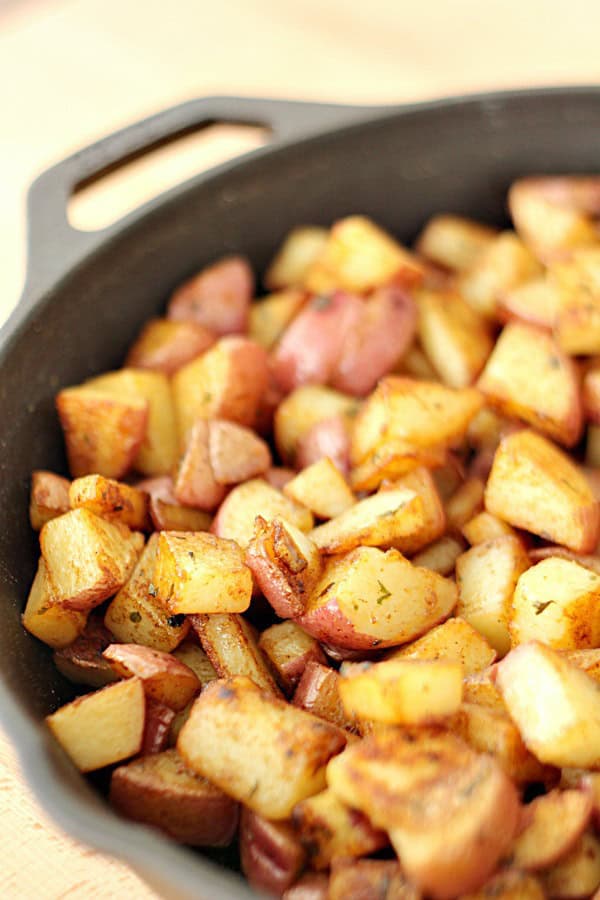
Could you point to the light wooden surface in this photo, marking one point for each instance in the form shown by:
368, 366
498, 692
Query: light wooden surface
72, 70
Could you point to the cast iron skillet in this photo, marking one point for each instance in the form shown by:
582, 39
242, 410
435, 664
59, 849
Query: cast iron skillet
87, 294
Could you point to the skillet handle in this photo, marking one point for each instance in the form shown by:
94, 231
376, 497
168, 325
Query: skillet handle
54, 246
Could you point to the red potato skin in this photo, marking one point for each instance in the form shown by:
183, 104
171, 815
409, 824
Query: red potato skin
591, 396
295, 668
159, 488
271, 854
195, 484
309, 349
384, 333
312, 886
278, 476
270, 581
328, 623
331, 438
190, 341
157, 727
218, 297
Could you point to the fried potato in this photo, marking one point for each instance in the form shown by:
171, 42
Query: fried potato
456, 339
106, 555
165, 346
577, 874
236, 516
402, 691
376, 879
485, 527
137, 616
486, 576
172, 517
509, 884
534, 486
112, 500
557, 602
591, 396
82, 661
328, 438
592, 447
588, 660
318, 693
504, 264
322, 488
528, 376
454, 241
304, 409
201, 573
271, 855
194, 481
232, 648
415, 364
300, 248
456, 641
555, 823
359, 256
227, 382
410, 422
103, 434
102, 728
480, 687
157, 727
289, 649
577, 326
535, 302
194, 657
465, 502
270, 316
218, 297
440, 556
451, 814
433, 516
310, 886
165, 679
49, 497
368, 598
535, 679
157, 453
260, 750
46, 618
160, 790
236, 453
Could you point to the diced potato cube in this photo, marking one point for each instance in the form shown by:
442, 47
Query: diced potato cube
440, 556
509, 884
318, 693
505, 263
485, 527
465, 502
218, 297
270, 316
172, 517
106, 553
578, 873
201, 573
480, 687
236, 453
259, 750
557, 602
102, 728
536, 301
454, 241
236, 516
271, 855
194, 481
49, 497
46, 618
588, 660
577, 326
534, 486
193, 656
112, 500
304, 408
165, 346
301, 247
487, 576
555, 822
455, 640
165, 679
321, 488
535, 679
403, 691
289, 649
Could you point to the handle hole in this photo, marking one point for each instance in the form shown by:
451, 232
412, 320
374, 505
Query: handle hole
109, 196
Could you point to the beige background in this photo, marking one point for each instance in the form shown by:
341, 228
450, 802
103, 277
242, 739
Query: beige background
72, 70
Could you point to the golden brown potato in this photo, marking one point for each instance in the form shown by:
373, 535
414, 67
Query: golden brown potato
218, 297
440, 556
285, 563
486, 576
455, 640
402, 691
231, 646
415, 364
322, 488
260, 750
157, 453
480, 687
588, 660
237, 514
112, 500
557, 602
359, 256
226, 382
165, 346
536, 302
193, 656
318, 693
102, 728
577, 874
49, 497
271, 855
289, 649
165, 679
370, 879
577, 326
451, 814
485, 527
465, 502
102, 433
236, 453
305, 408
299, 249
160, 790
534, 679
454, 241
534, 486
456, 339
194, 480
201, 573
555, 822
433, 515
82, 661
504, 264
106, 556
270, 316
528, 376
368, 598
172, 517
137, 615
509, 884
46, 618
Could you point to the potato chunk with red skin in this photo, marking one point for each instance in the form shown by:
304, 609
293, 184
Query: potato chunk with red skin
218, 297
165, 346
289, 649
451, 814
237, 514
302, 410
235, 452
328, 438
271, 855
318, 693
160, 790
49, 497
195, 483
165, 679
82, 661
